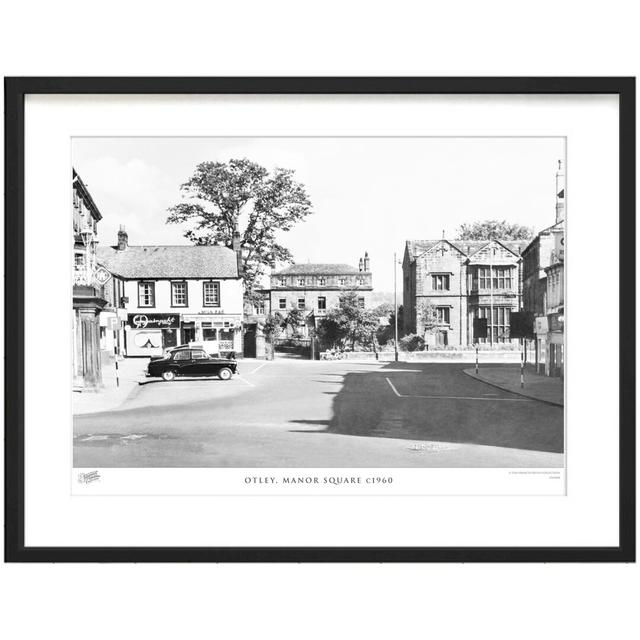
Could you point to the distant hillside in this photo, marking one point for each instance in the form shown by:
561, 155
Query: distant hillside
380, 297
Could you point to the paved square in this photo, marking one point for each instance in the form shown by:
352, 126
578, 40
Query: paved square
289, 413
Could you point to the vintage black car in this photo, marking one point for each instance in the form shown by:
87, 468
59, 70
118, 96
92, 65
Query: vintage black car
191, 362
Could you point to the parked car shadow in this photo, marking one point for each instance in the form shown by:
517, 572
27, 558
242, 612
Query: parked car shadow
183, 379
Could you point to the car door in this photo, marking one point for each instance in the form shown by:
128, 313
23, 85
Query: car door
182, 362
201, 363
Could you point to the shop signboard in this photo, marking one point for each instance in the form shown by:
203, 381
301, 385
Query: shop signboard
153, 320
542, 326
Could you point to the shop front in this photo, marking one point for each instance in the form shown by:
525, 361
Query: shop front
218, 334
148, 334
541, 329
555, 345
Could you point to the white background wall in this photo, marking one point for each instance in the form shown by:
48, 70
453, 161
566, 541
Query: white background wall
331, 38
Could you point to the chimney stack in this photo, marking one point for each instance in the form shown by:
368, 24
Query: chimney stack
123, 239
366, 261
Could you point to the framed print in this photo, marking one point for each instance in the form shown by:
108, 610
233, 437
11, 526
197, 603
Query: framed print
320, 319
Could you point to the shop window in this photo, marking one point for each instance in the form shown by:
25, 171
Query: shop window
211, 294
179, 294
146, 294
209, 333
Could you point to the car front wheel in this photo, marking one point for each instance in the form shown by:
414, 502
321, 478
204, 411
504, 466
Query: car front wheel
225, 373
169, 375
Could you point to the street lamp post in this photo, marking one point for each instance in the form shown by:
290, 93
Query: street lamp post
395, 306
87, 238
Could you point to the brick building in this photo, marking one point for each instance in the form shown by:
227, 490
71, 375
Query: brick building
314, 288
462, 279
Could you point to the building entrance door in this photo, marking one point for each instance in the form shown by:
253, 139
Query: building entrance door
442, 338
188, 333
169, 338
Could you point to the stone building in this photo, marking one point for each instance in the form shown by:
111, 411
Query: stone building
461, 279
314, 288
88, 294
543, 287
537, 257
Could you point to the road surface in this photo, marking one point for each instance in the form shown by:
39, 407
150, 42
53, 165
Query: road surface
289, 413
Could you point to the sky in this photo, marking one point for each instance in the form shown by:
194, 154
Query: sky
368, 194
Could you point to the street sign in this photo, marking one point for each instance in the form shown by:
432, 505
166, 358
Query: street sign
521, 325
101, 276
480, 328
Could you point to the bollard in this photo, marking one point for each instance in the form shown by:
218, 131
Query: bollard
476, 359
115, 354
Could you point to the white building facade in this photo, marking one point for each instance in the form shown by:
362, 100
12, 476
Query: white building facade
174, 295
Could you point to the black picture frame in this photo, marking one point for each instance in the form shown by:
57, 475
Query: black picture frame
15, 91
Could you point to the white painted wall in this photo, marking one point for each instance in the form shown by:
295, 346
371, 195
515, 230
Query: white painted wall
230, 297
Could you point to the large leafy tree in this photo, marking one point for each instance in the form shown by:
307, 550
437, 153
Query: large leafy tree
386, 331
349, 324
222, 198
494, 229
273, 325
427, 317
294, 318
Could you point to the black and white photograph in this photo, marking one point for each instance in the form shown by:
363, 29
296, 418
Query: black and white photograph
318, 302
363, 318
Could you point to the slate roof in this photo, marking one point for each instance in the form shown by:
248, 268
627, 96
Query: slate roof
193, 261
317, 269
467, 247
